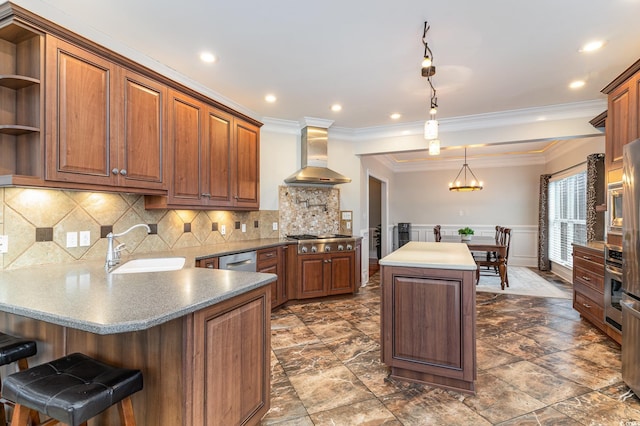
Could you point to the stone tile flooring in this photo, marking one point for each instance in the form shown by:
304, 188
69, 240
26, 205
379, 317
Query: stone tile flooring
538, 364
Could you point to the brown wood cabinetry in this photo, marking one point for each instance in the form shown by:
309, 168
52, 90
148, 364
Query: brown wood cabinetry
215, 158
326, 274
623, 118
21, 109
232, 358
588, 285
106, 123
273, 261
210, 367
428, 325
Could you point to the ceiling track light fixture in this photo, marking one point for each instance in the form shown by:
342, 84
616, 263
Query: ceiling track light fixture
462, 186
428, 71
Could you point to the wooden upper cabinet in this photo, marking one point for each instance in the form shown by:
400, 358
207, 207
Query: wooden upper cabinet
142, 159
79, 120
247, 158
623, 118
215, 157
185, 135
221, 155
618, 128
105, 123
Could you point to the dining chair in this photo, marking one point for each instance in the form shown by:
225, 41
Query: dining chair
492, 262
436, 233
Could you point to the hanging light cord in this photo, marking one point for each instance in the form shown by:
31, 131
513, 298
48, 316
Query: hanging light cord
464, 168
429, 54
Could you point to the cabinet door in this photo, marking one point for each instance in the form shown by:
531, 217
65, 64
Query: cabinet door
143, 148
311, 273
81, 130
247, 165
185, 135
342, 273
231, 361
618, 128
220, 156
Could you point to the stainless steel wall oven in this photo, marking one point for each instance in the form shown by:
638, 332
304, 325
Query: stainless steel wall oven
613, 286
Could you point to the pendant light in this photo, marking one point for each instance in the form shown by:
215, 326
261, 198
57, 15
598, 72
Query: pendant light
463, 186
428, 71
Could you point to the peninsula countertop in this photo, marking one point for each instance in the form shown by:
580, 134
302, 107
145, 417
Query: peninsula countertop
82, 295
431, 255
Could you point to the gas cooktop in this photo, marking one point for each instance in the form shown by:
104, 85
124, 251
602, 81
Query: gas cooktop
317, 237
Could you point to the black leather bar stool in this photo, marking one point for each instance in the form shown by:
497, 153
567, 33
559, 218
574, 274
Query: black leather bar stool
71, 390
14, 349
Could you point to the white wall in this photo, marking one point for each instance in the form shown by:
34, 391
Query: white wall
570, 154
509, 197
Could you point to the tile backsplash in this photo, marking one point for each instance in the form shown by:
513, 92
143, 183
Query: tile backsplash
309, 210
52, 214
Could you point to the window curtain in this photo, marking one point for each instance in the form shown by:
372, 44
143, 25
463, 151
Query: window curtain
543, 224
595, 197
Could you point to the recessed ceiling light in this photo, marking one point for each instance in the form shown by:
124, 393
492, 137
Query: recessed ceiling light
592, 46
576, 84
270, 98
207, 57
336, 107
395, 116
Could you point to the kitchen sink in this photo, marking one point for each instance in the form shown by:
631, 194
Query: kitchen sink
157, 264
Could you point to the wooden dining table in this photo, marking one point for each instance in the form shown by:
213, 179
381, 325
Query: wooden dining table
484, 244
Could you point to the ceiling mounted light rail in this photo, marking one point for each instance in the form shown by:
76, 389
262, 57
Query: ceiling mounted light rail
462, 186
428, 71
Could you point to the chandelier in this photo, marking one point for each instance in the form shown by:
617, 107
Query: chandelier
462, 186
428, 71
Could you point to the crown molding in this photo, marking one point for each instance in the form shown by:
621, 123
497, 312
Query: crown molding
586, 109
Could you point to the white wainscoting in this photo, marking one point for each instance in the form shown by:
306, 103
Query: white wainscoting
524, 239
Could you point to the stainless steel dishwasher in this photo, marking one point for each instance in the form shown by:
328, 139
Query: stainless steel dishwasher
239, 262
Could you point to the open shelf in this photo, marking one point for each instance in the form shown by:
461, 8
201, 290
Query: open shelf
17, 82
16, 129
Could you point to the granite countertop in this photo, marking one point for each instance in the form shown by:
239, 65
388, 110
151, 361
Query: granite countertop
431, 255
82, 295
593, 245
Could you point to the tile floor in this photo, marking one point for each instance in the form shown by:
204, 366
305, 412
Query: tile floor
538, 364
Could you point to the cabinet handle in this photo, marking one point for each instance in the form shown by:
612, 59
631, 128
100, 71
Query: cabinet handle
123, 172
114, 171
586, 305
236, 197
270, 254
205, 194
586, 278
586, 257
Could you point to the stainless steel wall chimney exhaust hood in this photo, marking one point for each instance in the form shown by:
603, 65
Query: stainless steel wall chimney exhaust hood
314, 160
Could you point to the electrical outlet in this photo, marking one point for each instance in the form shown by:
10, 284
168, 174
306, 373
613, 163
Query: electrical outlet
275, 226
72, 239
223, 229
4, 243
243, 227
85, 238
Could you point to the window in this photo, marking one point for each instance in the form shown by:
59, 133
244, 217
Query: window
567, 216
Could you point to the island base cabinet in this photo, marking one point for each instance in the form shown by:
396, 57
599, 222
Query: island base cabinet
208, 368
232, 359
428, 326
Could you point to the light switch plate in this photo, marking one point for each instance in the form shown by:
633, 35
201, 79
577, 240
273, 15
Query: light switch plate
72, 239
223, 229
275, 226
85, 238
4, 243
243, 227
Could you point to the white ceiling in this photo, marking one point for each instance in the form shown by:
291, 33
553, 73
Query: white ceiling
491, 56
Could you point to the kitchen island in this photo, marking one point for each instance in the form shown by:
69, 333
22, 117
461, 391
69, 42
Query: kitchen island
428, 314
201, 337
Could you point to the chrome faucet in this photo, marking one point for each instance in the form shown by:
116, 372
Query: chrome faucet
113, 254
